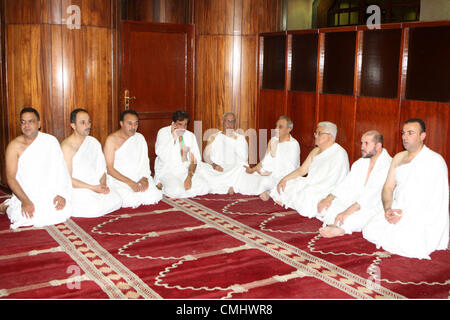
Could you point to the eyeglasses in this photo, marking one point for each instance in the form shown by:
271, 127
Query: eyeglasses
318, 133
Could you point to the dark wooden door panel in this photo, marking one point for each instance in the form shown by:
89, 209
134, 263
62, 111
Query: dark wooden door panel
157, 70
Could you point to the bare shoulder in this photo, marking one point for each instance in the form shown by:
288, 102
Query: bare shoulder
16, 146
399, 158
113, 142
68, 147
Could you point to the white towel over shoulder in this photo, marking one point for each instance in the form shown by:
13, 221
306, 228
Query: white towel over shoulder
171, 169
42, 173
229, 153
422, 195
355, 189
326, 170
88, 166
132, 161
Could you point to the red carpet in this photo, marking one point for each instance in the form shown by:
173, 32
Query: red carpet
210, 247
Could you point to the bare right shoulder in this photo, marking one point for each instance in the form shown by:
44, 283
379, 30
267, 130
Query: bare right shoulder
16, 147
112, 141
399, 158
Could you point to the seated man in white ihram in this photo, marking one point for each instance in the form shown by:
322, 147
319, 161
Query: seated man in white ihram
177, 156
414, 219
38, 177
326, 166
282, 156
91, 197
128, 165
357, 198
225, 155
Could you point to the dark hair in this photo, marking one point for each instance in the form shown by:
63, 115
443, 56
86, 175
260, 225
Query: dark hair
124, 113
419, 121
73, 114
32, 110
180, 115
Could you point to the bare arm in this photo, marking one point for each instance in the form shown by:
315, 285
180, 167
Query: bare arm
300, 172
387, 194
11, 159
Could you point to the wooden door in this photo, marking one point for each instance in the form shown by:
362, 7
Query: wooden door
157, 74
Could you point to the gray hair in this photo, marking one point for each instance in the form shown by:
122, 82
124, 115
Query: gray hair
228, 113
290, 124
330, 126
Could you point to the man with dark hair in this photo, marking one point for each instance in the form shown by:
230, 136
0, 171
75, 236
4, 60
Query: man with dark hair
37, 176
356, 199
414, 220
177, 156
30, 110
91, 196
128, 165
129, 111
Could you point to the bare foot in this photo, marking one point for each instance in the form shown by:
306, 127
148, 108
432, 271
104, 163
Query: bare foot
264, 196
279, 203
231, 191
3, 207
159, 186
331, 231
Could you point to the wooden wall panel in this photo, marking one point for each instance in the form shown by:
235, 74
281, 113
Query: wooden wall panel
436, 116
339, 109
273, 105
302, 111
226, 57
56, 69
248, 83
214, 91
377, 114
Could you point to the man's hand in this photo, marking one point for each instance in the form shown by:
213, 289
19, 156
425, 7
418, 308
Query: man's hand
144, 183
100, 188
217, 167
135, 186
59, 202
281, 185
393, 216
340, 218
27, 209
188, 183
324, 204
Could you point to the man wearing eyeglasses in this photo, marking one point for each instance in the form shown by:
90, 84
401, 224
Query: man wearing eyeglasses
225, 155
37, 175
325, 167
414, 220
